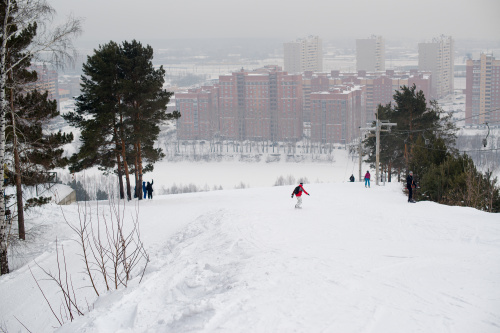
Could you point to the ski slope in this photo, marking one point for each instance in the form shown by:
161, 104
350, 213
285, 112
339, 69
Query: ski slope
352, 260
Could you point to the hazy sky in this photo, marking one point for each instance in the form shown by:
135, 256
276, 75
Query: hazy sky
330, 19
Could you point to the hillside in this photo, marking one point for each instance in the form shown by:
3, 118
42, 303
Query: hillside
352, 260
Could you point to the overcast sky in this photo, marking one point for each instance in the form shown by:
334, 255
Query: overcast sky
330, 19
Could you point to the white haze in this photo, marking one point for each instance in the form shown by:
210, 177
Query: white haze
393, 19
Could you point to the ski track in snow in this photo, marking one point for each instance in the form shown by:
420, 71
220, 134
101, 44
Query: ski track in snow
352, 260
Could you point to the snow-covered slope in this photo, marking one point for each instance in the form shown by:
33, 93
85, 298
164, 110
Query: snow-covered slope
352, 260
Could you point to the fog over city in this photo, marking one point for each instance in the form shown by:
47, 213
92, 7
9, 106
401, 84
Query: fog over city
157, 19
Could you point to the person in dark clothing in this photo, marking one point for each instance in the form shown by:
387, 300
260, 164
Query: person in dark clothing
149, 188
351, 178
144, 189
410, 185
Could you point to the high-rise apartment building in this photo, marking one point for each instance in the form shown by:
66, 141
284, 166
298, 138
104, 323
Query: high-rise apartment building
379, 86
305, 54
438, 58
199, 113
265, 104
370, 54
336, 114
269, 104
47, 80
482, 91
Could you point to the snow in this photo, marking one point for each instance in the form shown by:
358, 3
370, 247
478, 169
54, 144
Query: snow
252, 174
56, 191
354, 259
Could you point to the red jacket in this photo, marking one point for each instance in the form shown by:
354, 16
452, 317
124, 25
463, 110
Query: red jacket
367, 175
300, 192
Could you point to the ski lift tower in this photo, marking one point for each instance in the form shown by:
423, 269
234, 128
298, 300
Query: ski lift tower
377, 129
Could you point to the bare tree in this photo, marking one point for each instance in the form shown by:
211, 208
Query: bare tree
16, 17
109, 248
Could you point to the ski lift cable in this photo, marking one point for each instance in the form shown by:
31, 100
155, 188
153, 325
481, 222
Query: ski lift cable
477, 115
461, 151
453, 122
430, 148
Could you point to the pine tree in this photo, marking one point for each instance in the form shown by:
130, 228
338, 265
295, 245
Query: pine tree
35, 152
423, 141
18, 18
99, 114
415, 121
146, 102
120, 111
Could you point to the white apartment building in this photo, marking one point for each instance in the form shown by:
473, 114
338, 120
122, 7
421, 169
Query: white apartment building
370, 54
438, 58
304, 54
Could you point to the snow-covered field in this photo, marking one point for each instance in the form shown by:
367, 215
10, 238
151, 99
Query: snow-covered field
352, 260
230, 174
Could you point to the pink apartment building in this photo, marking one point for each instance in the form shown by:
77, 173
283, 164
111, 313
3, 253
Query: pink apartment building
269, 104
337, 114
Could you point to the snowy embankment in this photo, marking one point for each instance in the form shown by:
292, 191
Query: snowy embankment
352, 260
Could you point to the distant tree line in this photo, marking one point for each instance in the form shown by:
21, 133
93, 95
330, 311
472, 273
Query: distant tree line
119, 113
424, 142
83, 195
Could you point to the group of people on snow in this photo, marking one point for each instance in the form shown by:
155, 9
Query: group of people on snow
367, 178
147, 189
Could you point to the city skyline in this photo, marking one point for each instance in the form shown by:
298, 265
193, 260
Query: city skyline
154, 19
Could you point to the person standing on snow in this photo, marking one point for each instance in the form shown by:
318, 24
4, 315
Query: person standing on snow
367, 178
149, 188
351, 179
298, 193
410, 185
144, 189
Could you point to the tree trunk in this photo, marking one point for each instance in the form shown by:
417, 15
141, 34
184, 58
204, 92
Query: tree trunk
139, 168
124, 157
136, 176
17, 173
120, 173
118, 159
389, 172
4, 263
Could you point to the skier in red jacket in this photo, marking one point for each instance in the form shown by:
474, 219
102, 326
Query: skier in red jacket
298, 193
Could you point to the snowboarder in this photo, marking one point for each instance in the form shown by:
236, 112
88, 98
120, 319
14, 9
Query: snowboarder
351, 178
144, 189
410, 185
367, 178
298, 193
149, 188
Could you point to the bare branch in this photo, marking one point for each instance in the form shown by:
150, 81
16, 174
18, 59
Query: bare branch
50, 306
